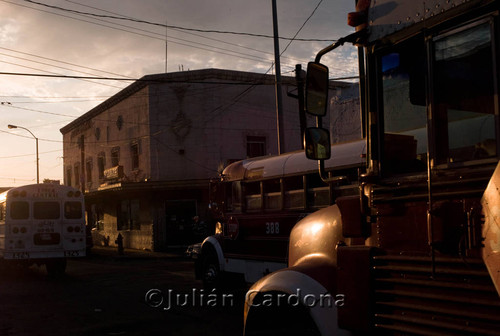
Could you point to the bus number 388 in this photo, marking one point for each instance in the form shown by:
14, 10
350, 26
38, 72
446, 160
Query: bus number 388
272, 227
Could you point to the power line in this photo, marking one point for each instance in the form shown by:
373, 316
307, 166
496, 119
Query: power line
227, 52
184, 32
25, 155
298, 31
59, 61
245, 56
59, 101
55, 75
168, 26
249, 89
9, 104
48, 64
59, 97
143, 79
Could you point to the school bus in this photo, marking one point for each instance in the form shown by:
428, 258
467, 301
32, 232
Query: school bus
417, 251
42, 224
256, 202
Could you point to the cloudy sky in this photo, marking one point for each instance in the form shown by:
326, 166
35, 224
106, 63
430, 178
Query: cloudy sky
55, 37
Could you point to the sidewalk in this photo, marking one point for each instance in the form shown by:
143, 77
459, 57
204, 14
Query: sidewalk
129, 254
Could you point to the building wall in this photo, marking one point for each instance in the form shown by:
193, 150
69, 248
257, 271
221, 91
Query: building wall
119, 126
199, 127
106, 231
187, 127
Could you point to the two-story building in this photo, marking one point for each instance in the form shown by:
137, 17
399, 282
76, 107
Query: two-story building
144, 157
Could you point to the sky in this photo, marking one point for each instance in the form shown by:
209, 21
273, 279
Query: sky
84, 38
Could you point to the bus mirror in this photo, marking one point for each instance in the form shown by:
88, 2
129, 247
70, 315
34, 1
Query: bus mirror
316, 89
317, 143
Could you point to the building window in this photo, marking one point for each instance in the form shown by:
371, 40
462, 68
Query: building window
88, 170
128, 215
77, 174
119, 122
68, 176
256, 146
115, 156
134, 153
101, 163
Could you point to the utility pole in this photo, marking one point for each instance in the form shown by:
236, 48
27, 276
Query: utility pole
166, 45
300, 78
82, 164
279, 98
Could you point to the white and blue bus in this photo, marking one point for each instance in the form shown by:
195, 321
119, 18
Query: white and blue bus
42, 224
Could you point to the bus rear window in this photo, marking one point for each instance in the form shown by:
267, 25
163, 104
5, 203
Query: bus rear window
72, 210
19, 210
46, 210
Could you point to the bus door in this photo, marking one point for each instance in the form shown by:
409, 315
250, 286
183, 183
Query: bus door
451, 119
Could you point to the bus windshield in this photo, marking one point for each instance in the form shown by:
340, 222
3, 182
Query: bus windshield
460, 98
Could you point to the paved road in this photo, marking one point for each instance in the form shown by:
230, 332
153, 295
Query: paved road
105, 294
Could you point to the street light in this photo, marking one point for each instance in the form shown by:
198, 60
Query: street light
37, 161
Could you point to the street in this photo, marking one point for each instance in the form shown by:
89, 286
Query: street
106, 294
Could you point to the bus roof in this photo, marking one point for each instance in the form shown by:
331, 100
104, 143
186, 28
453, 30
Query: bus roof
344, 155
386, 17
41, 190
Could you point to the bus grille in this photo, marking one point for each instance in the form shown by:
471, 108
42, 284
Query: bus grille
459, 299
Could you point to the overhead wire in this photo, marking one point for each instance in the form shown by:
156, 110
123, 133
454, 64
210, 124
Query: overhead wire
207, 47
63, 62
247, 90
169, 26
225, 51
51, 74
184, 32
238, 97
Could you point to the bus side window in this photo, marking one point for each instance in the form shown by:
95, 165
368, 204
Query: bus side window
253, 197
318, 193
272, 194
72, 210
294, 192
235, 196
19, 210
465, 94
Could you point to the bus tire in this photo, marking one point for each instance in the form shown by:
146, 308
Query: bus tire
56, 267
211, 273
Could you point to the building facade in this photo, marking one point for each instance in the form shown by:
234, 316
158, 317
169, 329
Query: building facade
145, 156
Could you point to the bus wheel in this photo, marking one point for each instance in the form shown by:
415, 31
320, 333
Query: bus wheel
211, 273
56, 267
